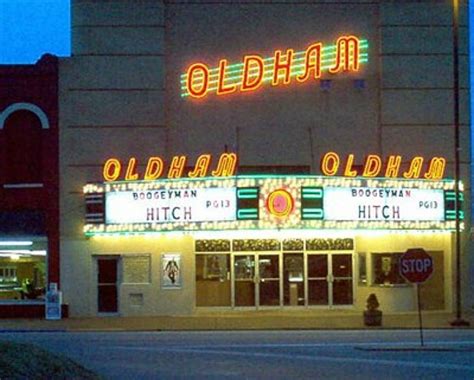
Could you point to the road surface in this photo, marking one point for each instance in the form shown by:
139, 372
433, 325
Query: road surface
361, 354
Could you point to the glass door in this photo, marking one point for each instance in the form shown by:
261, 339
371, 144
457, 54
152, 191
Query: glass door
330, 279
318, 279
293, 279
256, 280
244, 280
342, 286
268, 280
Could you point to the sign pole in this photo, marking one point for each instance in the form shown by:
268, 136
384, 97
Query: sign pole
459, 321
416, 266
419, 313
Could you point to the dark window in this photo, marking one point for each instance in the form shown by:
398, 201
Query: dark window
23, 145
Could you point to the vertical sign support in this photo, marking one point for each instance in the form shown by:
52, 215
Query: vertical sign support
416, 266
419, 314
459, 321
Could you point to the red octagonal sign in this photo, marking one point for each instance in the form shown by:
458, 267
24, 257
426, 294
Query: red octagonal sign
416, 265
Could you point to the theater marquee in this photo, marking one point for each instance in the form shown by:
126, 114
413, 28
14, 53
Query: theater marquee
269, 203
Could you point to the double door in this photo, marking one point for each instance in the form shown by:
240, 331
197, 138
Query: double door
330, 280
256, 280
292, 279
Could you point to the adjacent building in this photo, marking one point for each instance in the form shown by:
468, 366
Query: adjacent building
29, 186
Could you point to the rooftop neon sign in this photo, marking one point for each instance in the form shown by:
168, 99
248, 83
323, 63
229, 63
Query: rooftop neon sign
255, 71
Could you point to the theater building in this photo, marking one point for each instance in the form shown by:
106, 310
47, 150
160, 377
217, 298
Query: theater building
221, 158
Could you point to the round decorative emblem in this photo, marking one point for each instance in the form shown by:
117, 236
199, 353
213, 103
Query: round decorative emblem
280, 203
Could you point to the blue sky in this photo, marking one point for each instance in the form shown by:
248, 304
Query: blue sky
30, 28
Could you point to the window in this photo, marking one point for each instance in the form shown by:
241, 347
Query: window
386, 269
362, 268
7, 275
136, 269
22, 278
23, 146
213, 279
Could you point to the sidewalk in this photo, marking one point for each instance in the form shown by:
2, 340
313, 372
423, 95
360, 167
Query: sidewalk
233, 321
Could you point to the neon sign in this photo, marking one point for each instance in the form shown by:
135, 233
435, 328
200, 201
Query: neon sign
113, 169
281, 69
375, 167
280, 203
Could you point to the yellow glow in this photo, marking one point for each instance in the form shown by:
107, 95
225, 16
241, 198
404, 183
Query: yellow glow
267, 184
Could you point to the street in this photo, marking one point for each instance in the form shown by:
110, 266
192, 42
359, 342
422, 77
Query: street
355, 354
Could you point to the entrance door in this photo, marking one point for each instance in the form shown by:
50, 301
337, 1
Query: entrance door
256, 280
268, 280
330, 279
107, 285
342, 285
244, 280
318, 279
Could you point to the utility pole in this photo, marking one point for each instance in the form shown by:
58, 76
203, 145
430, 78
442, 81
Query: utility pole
459, 321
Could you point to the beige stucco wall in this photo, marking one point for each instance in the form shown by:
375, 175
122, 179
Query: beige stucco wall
403, 298
79, 267
111, 95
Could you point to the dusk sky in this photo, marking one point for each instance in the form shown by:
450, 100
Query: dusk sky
30, 28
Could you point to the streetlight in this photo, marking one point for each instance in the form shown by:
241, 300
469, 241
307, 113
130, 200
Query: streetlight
459, 321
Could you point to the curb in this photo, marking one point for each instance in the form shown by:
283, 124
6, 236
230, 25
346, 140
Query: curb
418, 348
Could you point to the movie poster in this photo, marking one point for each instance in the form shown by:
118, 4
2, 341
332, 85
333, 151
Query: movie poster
171, 271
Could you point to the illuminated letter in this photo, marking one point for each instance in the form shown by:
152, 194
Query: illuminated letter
258, 64
131, 174
372, 166
202, 71
154, 168
393, 166
348, 172
277, 66
221, 90
202, 164
347, 54
176, 167
436, 168
415, 168
330, 163
112, 164
312, 62
226, 165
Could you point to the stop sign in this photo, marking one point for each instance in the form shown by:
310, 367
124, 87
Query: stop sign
416, 265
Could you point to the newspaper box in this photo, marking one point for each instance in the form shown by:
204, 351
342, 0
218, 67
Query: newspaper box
53, 302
